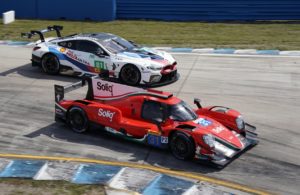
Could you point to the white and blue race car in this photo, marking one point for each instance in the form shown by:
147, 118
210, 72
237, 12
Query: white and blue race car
94, 53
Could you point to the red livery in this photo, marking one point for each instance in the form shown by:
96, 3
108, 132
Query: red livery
216, 134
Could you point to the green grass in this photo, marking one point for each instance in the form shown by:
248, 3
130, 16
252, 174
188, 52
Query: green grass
258, 35
33, 187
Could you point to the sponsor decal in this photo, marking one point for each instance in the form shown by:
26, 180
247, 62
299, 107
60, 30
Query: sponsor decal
106, 114
204, 122
62, 50
105, 87
218, 129
73, 56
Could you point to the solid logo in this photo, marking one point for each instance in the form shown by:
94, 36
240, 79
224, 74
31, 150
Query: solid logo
106, 114
105, 87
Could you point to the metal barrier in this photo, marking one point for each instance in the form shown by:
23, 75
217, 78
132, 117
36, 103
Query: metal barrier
101, 10
209, 10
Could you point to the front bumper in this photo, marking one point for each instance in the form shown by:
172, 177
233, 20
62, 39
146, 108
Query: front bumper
166, 79
221, 160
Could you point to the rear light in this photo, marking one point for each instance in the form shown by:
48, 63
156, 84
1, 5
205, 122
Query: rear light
36, 48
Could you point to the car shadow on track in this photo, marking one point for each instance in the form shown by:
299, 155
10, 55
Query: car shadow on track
139, 151
28, 71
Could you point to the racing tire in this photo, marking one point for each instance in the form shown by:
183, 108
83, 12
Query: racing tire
77, 120
130, 75
50, 64
182, 146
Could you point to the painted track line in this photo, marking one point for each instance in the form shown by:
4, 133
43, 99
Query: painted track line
143, 166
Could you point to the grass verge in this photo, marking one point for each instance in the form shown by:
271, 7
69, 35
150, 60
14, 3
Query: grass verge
12, 186
257, 35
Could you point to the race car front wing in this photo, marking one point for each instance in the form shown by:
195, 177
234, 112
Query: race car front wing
221, 160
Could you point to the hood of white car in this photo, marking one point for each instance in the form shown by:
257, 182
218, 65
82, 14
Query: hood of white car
148, 55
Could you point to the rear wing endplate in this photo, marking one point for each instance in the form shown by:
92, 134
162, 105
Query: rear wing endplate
60, 91
41, 32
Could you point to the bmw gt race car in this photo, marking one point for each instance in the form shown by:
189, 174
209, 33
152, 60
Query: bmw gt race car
215, 134
85, 54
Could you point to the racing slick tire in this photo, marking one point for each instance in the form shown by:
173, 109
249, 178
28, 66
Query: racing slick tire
50, 64
182, 146
77, 120
130, 75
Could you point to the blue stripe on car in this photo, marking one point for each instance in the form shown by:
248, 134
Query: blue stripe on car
62, 56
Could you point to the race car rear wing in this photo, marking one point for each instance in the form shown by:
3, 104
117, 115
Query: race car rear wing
101, 89
41, 32
60, 90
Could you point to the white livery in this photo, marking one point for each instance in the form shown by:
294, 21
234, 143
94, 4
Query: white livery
93, 53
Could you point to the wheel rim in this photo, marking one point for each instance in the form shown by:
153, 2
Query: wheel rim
50, 64
77, 122
130, 75
179, 147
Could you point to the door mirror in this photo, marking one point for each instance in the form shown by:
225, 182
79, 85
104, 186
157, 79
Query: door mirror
197, 101
157, 120
99, 52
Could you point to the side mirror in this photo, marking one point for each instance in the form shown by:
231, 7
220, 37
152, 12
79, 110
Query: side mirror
157, 122
99, 52
197, 102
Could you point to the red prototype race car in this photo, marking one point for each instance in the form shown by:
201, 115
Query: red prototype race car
157, 118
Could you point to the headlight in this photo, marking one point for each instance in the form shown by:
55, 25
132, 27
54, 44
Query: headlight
154, 67
209, 140
240, 123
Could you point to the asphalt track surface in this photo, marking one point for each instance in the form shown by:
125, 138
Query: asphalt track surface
265, 89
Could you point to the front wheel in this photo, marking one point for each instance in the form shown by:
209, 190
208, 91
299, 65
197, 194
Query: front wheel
50, 64
78, 120
130, 75
182, 146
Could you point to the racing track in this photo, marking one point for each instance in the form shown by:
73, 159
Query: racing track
265, 89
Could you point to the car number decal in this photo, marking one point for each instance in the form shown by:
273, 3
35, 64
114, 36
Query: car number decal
99, 65
164, 139
153, 140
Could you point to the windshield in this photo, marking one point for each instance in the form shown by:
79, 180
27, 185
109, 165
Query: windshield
182, 112
116, 44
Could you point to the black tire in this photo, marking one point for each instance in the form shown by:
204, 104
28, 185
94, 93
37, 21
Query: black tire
77, 120
182, 146
50, 64
130, 75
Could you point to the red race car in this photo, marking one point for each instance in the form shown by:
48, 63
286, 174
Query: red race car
216, 134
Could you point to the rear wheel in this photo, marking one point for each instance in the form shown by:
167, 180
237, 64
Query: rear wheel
50, 64
182, 146
130, 75
78, 120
